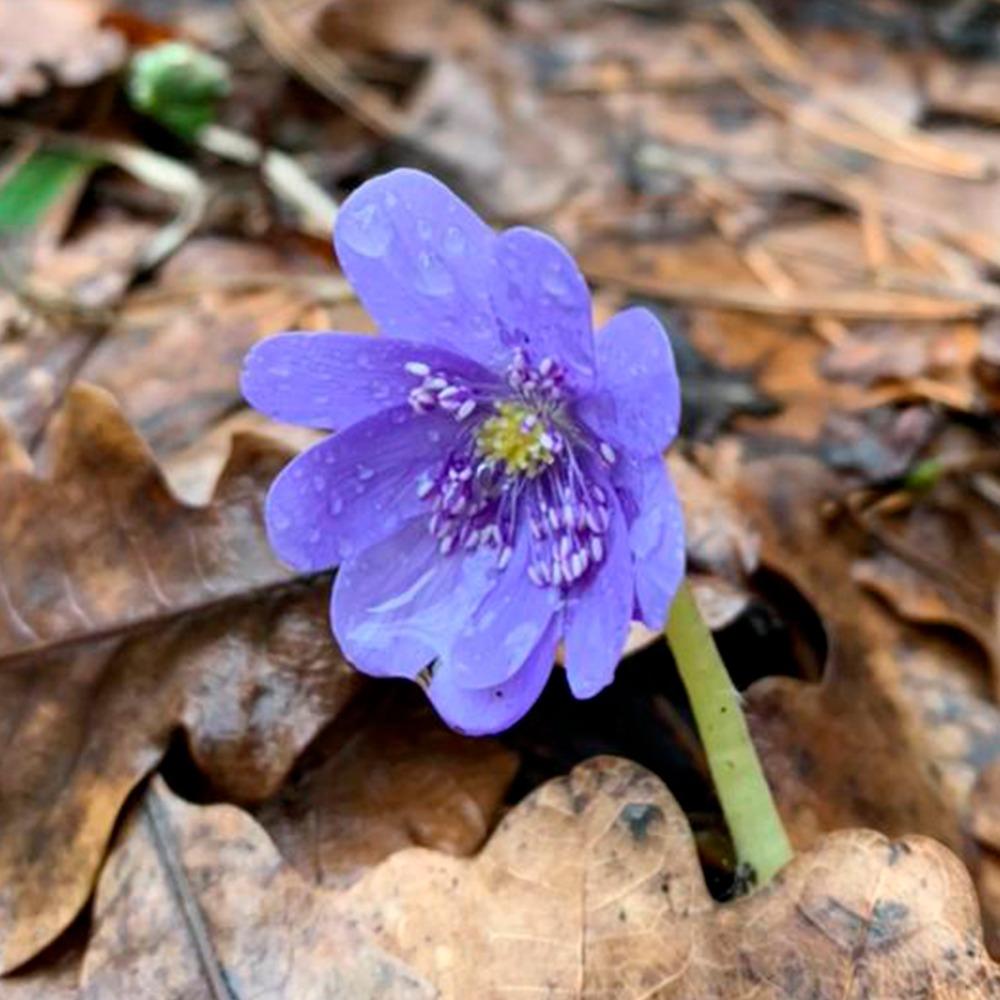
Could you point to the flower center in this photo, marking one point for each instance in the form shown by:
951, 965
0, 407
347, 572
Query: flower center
520, 463
516, 436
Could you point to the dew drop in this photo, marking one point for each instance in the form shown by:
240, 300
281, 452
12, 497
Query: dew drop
433, 277
319, 484
555, 284
424, 230
366, 230
314, 536
454, 241
365, 473
434, 436
336, 505
282, 523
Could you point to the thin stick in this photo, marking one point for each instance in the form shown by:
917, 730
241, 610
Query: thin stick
762, 846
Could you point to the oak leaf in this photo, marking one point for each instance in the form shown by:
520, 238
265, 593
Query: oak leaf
591, 888
125, 617
387, 774
196, 902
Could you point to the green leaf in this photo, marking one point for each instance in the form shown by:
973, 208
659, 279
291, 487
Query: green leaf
36, 185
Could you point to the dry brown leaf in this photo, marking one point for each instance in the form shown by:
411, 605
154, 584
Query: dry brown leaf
125, 616
984, 824
718, 536
869, 745
61, 39
174, 355
591, 888
388, 775
196, 902
941, 564
45, 334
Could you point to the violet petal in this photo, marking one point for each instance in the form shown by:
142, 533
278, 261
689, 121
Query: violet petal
354, 488
331, 380
397, 605
543, 303
421, 261
597, 619
636, 405
656, 536
479, 712
497, 638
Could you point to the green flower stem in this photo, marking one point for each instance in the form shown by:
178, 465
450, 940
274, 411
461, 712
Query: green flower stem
762, 846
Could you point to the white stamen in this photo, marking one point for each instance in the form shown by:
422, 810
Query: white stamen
607, 453
465, 410
506, 553
417, 368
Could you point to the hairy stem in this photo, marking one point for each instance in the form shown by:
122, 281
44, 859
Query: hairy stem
761, 844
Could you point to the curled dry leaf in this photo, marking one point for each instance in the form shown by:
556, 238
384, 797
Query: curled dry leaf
388, 775
196, 902
873, 744
61, 39
591, 888
940, 564
173, 356
125, 616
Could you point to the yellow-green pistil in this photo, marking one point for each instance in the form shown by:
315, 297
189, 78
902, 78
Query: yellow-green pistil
516, 436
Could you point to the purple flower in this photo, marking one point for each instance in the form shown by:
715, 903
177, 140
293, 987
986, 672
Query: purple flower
496, 484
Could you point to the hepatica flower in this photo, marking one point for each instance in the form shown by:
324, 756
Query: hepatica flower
495, 485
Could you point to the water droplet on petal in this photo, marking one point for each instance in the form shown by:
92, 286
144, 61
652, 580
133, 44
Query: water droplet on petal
365, 473
454, 241
366, 230
424, 230
336, 505
433, 277
319, 484
555, 284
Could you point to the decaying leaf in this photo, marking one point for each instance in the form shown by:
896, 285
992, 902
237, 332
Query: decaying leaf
47, 322
126, 616
196, 902
62, 38
591, 888
387, 775
189, 332
858, 748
